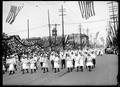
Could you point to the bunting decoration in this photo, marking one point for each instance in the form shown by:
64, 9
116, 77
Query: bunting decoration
86, 9
14, 10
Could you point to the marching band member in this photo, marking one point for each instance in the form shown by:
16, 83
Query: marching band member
57, 63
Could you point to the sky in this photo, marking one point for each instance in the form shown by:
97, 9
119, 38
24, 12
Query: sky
37, 13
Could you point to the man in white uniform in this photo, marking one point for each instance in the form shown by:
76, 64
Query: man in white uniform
41, 60
77, 64
35, 58
52, 57
25, 64
69, 62
93, 58
32, 65
11, 68
73, 57
45, 63
57, 63
62, 56
81, 62
89, 63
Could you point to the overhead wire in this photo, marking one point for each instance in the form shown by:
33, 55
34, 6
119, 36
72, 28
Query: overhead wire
65, 23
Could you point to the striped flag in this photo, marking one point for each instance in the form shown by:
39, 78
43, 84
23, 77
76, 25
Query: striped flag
86, 9
14, 10
66, 38
97, 34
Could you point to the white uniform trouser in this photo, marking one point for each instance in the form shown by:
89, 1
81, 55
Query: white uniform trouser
11, 67
56, 64
89, 63
32, 66
77, 63
25, 66
69, 64
45, 64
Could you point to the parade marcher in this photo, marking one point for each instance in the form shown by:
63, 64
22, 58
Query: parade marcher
41, 60
73, 57
56, 63
77, 64
35, 58
89, 63
3, 68
93, 58
62, 56
32, 65
52, 57
85, 57
81, 62
11, 68
45, 63
15, 61
25, 64
69, 62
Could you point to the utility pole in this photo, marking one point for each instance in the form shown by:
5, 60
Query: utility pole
80, 38
49, 29
28, 37
88, 35
114, 16
73, 41
62, 14
28, 28
55, 31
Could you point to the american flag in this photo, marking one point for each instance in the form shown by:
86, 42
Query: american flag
14, 10
86, 9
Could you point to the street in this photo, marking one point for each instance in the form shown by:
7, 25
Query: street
105, 73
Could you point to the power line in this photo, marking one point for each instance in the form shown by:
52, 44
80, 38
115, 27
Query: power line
30, 29
89, 21
65, 23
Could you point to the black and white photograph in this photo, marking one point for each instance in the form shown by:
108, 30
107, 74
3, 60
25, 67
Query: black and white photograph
60, 43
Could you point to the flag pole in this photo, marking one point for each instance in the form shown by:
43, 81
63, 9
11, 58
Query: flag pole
28, 35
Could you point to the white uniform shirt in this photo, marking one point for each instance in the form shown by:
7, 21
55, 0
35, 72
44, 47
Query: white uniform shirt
41, 59
52, 57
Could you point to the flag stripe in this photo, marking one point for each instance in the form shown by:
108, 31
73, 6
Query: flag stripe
86, 8
12, 14
14, 10
93, 8
9, 13
80, 8
84, 4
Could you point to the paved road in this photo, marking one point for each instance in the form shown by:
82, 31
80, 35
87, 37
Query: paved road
105, 73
